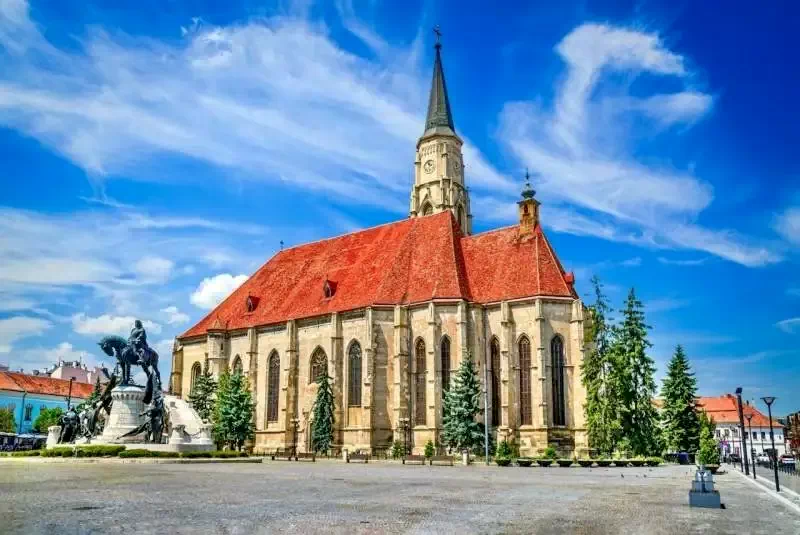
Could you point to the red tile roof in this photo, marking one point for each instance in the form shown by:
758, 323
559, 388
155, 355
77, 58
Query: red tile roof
37, 384
724, 410
409, 261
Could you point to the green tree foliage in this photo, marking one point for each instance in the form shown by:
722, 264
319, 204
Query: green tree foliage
322, 432
8, 424
429, 449
202, 395
597, 374
398, 449
709, 450
221, 398
634, 379
46, 418
94, 396
234, 411
680, 422
461, 403
504, 450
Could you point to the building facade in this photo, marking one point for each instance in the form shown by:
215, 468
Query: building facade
27, 395
725, 412
390, 312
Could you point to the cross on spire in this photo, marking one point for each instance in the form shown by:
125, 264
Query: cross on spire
438, 33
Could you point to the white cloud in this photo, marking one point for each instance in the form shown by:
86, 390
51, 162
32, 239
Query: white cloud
213, 290
175, 316
791, 325
164, 347
107, 324
678, 262
794, 292
581, 148
271, 99
19, 327
788, 225
666, 304
153, 269
10, 303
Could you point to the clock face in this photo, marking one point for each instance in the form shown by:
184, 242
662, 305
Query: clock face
429, 166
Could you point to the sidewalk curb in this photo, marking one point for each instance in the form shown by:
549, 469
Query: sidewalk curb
130, 460
786, 501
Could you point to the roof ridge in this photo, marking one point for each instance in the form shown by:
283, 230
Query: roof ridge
570, 289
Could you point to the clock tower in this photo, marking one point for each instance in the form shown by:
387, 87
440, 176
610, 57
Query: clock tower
439, 166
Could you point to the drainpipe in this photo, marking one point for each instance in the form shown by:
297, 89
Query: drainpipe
22, 412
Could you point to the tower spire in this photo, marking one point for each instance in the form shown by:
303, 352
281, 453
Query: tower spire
439, 116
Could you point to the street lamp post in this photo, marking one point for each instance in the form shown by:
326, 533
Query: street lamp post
69, 394
295, 427
745, 462
769, 400
404, 427
752, 443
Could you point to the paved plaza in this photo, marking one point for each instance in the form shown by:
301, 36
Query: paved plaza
333, 497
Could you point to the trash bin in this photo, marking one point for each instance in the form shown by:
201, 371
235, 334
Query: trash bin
683, 458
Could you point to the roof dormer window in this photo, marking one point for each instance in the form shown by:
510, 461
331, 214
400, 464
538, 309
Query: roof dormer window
328, 289
251, 303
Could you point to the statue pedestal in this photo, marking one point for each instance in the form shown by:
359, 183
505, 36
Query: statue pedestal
126, 407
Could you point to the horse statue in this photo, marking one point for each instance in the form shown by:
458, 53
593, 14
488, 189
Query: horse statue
127, 356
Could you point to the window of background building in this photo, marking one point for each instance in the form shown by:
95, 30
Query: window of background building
28, 412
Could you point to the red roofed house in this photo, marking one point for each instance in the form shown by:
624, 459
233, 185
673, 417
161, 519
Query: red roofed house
26, 395
725, 412
390, 312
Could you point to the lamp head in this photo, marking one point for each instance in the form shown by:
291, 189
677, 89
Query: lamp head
769, 400
739, 391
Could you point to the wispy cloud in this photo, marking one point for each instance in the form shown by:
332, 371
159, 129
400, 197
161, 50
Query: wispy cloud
213, 290
579, 147
19, 327
791, 325
680, 262
788, 225
666, 304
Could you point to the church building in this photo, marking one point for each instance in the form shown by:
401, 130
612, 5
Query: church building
390, 312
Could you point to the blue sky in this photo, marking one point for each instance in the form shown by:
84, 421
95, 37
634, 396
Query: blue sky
157, 152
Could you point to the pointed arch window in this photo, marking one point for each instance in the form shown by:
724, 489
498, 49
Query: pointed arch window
494, 353
354, 379
237, 365
196, 371
525, 409
559, 393
427, 209
445, 365
319, 365
419, 383
273, 385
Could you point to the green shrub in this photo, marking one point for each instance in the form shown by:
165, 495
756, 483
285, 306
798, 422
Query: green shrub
99, 450
28, 453
654, 461
127, 454
550, 453
398, 450
227, 454
58, 452
504, 450
196, 455
429, 449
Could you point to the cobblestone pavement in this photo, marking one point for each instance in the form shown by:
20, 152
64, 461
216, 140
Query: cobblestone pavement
333, 497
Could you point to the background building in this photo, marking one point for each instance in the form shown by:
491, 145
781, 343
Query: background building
725, 412
26, 395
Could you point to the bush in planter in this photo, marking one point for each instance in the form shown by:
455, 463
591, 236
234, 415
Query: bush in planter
550, 453
564, 463
586, 463
603, 463
502, 461
543, 461
621, 462
654, 461
524, 461
430, 449
638, 462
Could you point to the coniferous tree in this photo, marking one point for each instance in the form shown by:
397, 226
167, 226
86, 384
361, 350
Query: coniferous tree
220, 400
236, 412
597, 374
634, 380
8, 424
322, 431
202, 395
708, 454
679, 415
461, 403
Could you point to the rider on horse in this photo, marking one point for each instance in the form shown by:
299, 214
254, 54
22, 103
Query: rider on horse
138, 340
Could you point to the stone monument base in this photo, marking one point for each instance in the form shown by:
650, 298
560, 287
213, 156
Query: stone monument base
126, 407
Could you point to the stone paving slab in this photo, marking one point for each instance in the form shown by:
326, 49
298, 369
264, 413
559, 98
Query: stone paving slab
330, 497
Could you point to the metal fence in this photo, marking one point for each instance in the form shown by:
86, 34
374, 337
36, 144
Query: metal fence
788, 475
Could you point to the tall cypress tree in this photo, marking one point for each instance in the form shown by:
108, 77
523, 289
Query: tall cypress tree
597, 374
322, 432
462, 403
220, 400
634, 378
679, 416
202, 395
236, 412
